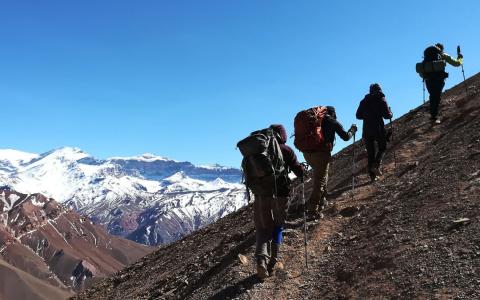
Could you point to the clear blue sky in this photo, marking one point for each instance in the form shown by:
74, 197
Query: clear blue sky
188, 79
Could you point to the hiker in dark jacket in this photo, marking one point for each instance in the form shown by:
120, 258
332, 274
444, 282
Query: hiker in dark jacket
435, 81
320, 160
372, 110
270, 211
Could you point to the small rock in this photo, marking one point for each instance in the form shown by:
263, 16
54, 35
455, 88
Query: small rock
243, 259
458, 223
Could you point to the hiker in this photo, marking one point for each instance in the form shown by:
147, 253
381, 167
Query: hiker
270, 205
435, 79
372, 110
315, 130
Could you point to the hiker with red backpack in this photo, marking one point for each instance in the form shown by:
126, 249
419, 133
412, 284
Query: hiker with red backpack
315, 130
372, 110
267, 161
432, 70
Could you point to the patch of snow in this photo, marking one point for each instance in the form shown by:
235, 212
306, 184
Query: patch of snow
35, 202
146, 157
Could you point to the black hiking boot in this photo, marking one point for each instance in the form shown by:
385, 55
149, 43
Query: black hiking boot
262, 271
314, 215
275, 248
435, 120
376, 171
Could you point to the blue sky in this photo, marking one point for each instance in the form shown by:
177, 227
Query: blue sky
188, 79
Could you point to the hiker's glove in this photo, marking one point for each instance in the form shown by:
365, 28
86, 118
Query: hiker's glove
460, 55
353, 129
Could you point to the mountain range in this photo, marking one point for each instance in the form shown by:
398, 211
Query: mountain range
148, 199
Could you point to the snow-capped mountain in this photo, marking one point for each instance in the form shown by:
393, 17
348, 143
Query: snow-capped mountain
147, 198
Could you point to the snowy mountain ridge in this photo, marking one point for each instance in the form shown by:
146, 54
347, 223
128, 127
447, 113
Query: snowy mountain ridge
150, 199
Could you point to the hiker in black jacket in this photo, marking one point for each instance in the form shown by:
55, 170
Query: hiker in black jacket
372, 110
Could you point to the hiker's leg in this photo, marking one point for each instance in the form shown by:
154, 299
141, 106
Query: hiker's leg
263, 221
324, 182
435, 87
320, 163
314, 199
370, 146
382, 147
279, 217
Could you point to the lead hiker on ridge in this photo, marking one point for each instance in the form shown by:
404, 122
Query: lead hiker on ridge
265, 151
315, 130
372, 110
432, 70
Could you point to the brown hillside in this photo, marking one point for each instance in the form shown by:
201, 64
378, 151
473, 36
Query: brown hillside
56, 246
414, 234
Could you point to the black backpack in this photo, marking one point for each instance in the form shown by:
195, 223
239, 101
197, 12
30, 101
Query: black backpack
262, 162
432, 53
432, 65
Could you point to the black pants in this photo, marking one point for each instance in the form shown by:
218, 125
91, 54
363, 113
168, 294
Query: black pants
435, 86
375, 157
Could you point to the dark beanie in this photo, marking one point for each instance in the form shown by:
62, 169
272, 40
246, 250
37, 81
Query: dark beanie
281, 131
331, 112
375, 87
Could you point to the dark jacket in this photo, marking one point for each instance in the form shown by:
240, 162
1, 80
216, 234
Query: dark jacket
330, 127
290, 159
372, 110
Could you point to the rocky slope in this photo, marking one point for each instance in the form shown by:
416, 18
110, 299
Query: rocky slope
415, 234
149, 199
47, 248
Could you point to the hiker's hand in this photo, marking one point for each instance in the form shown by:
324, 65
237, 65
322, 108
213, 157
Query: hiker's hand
460, 55
353, 129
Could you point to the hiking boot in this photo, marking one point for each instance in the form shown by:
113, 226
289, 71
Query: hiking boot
262, 271
271, 266
435, 120
275, 248
323, 204
376, 171
314, 215
373, 177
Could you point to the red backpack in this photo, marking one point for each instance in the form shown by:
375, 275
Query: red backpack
308, 129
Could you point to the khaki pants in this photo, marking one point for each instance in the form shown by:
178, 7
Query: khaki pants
320, 162
269, 217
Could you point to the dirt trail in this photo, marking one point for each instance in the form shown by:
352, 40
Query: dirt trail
402, 237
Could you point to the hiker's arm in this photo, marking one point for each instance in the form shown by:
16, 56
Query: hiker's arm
344, 135
452, 61
359, 114
386, 112
292, 162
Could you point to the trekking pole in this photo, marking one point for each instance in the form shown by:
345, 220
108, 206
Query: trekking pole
463, 72
394, 153
353, 167
304, 224
423, 91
